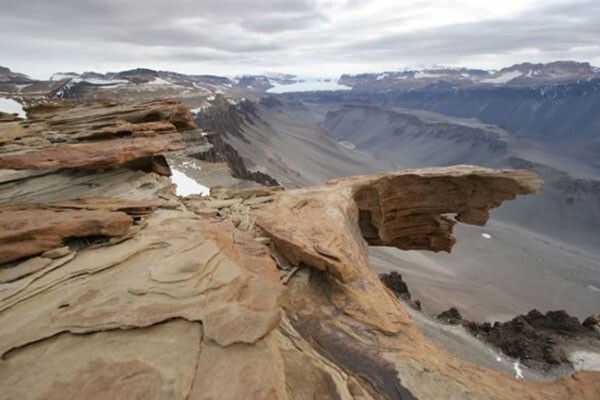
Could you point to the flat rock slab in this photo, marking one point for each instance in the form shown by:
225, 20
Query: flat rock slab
31, 229
93, 155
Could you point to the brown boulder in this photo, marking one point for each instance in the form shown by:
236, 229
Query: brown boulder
92, 155
31, 229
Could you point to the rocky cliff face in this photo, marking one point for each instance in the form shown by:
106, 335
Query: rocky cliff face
112, 287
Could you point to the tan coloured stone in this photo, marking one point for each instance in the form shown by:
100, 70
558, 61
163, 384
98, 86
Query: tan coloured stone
32, 229
93, 155
153, 363
27, 267
57, 253
178, 266
323, 227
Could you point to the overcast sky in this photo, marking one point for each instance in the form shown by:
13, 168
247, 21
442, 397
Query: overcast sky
309, 37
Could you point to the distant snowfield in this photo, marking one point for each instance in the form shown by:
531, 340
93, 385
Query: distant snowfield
309, 85
11, 106
186, 185
423, 75
505, 77
97, 81
160, 82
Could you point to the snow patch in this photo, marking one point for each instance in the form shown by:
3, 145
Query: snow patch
159, 82
11, 106
21, 87
186, 185
503, 78
308, 85
59, 76
486, 235
518, 370
593, 288
424, 74
585, 360
347, 145
380, 77
97, 81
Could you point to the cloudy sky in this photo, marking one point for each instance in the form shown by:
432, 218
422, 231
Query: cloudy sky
310, 37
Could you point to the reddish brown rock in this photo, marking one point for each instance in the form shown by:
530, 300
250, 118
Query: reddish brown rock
323, 227
139, 129
93, 155
31, 229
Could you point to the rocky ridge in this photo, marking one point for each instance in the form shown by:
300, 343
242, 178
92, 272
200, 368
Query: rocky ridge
525, 74
258, 293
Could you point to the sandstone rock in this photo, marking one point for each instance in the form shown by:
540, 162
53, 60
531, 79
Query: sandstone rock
31, 229
57, 253
68, 137
7, 117
92, 155
405, 210
27, 267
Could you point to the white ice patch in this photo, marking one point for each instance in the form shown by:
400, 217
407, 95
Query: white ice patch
97, 81
382, 76
59, 76
159, 82
21, 87
585, 360
308, 85
498, 358
424, 74
347, 145
11, 106
186, 185
503, 78
486, 235
593, 288
518, 370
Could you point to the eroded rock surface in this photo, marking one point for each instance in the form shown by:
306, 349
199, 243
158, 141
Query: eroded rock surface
248, 294
95, 136
31, 229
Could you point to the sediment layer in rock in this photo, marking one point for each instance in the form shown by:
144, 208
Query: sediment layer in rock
31, 229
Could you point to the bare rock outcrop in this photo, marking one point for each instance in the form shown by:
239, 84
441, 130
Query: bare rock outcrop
324, 227
247, 294
95, 136
31, 229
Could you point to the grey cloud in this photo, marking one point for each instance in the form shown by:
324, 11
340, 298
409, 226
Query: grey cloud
282, 22
551, 29
270, 34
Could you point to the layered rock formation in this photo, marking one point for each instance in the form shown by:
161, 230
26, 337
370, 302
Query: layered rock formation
247, 294
95, 137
